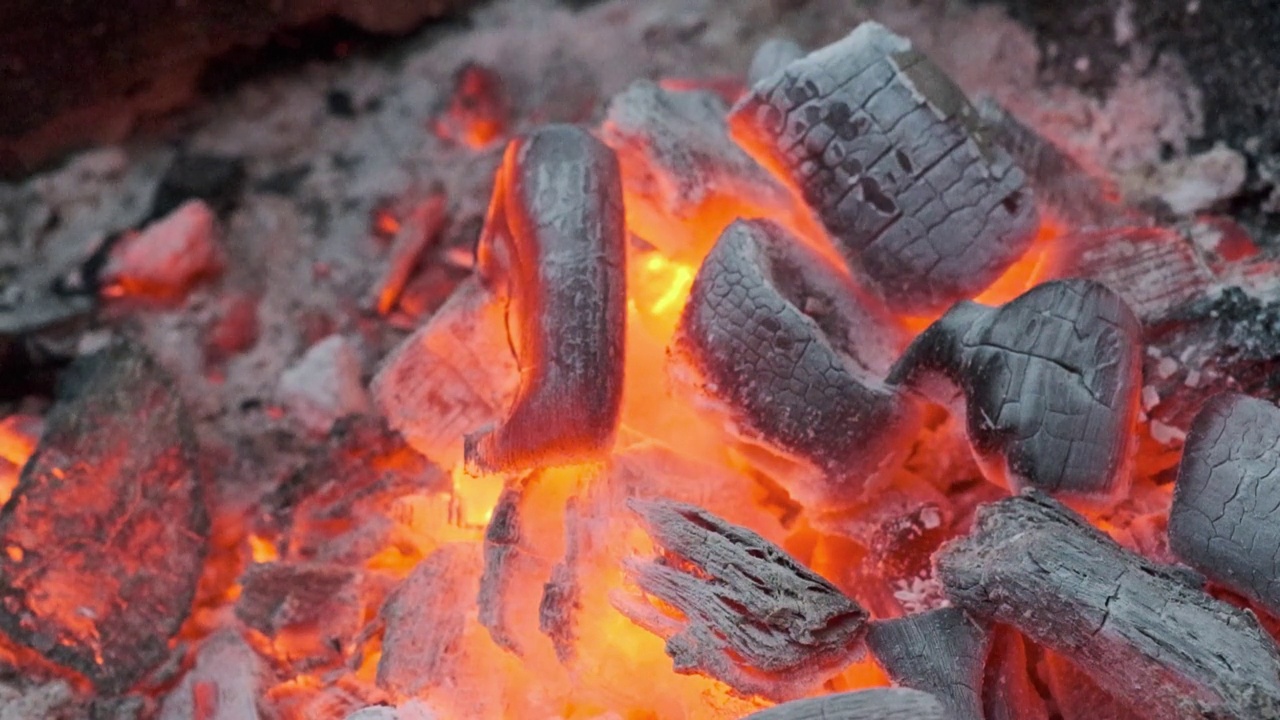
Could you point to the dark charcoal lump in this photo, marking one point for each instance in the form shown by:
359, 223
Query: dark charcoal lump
215, 179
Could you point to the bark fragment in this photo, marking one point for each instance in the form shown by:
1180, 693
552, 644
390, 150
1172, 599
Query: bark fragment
893, 159
751, 616
874, 704
1050, 382
553, 248
1033, 564
941, 652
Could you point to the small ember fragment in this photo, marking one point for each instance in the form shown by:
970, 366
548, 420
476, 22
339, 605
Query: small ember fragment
553, 248
1223, 519
167, 257
942, 652
412, 237
776, 335
1050, 381
105, 534
874, 704
478, 111
894, 160
1034, 564
749, 615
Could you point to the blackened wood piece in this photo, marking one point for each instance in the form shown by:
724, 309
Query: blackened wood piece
873, 704
751, 616
106, 531
553, 246
942, 652
892, 157
779, 339
1050, 381
1225, 518
1123, 620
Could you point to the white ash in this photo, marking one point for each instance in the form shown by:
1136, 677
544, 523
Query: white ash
411, 710
325, 384
1190, 184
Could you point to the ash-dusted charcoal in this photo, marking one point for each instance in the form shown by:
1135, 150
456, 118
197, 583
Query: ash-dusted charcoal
942, 652
425, 618
749, 614
873, 704
105, 534
1050, 383
1008, 692
1128, 623
894, 160
224, 684
777, 339
1224, 519
771, 57
501, 548
319, 606
553, 246
562, 594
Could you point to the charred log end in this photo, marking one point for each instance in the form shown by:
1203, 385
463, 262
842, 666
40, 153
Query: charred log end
555, 240
748, 614
942, 652
1222, 521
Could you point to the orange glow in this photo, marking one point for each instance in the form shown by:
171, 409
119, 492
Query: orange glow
263, 550
477, 113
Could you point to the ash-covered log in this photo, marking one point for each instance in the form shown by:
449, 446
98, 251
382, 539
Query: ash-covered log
553, 248
777, 339
1050, 382
941, 652
1223, 521
873, 704
105, 534
894, 160
749, 614
1160, 646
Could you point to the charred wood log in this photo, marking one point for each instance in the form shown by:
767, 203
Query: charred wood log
1035, 565
106, 531
750, 615
874, 704
1050, 382
777, 339
554, 246
1223, 520
941, 652
892, 157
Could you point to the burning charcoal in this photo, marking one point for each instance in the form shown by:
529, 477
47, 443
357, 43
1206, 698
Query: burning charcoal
453, 375
561, 596
501, 550
316, 609
893, 159
1078, 697
478, 110
1033, 564
873, 704
166, 258
942, 652
749, 615
771, 57
325, 384
104, 536
225, 683
419, 230
554, 245
1050, 382
777, 337
425, 618
1223, 519
1007, 690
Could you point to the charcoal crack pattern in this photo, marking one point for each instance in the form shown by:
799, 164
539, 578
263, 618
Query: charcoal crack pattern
895, 162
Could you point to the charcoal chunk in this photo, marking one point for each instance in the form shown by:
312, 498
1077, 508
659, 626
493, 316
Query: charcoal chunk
105, 535
894, 160
553, 245
750, 615
941, 652
1050, 382
1126, 622
777, 339
873, 704
318, 607
1224, 520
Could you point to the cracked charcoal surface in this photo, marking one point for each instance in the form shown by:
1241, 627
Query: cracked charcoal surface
893, 159
1224, 519
873, 704
1033, 564
554, 239
106, 531
1050, 381
942, 652
779, 338
752, 616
